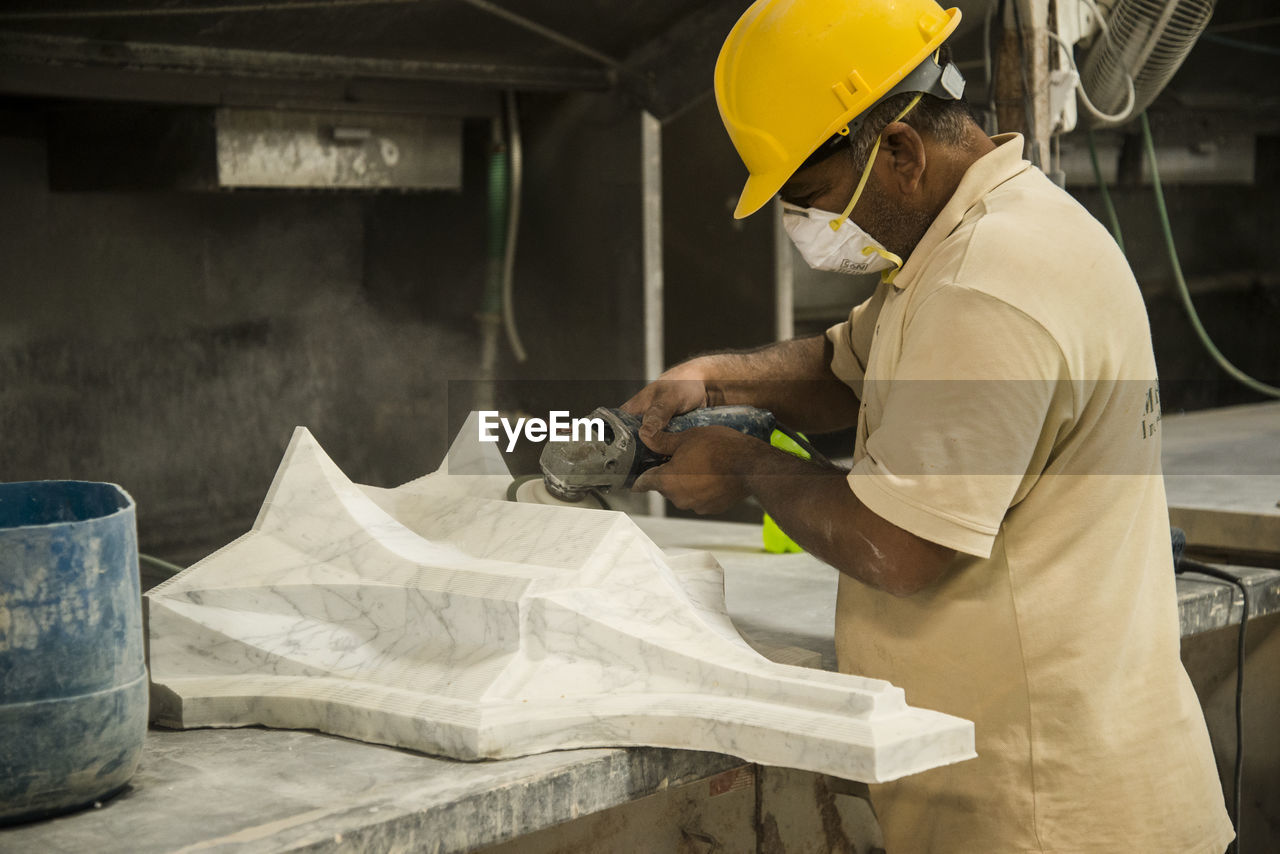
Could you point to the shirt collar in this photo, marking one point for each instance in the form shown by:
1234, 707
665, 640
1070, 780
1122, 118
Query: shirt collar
983, 175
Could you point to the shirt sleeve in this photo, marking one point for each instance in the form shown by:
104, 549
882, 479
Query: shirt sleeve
851, 341
967, 423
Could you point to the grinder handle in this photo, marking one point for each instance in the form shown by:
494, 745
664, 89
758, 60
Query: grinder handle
758, 423
745, 419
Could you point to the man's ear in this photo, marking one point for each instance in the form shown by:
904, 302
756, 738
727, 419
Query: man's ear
906, 161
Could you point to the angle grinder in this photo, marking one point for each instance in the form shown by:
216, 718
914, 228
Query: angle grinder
581, 473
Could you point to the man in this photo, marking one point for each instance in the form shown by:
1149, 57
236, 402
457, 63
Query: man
1003, 535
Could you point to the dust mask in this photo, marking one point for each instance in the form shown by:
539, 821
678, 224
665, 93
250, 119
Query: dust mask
833, 242
828, 241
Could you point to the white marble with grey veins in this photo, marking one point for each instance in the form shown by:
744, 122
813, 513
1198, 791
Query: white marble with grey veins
437, 617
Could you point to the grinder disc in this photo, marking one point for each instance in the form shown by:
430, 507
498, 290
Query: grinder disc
531, 490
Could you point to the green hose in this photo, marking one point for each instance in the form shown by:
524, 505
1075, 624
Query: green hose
1106, 194
1235, 373
492, 303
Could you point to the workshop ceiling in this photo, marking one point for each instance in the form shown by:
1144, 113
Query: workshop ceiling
520, 44
447, 55
445, 30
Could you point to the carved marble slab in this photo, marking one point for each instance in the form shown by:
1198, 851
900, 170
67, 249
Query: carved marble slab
436, 618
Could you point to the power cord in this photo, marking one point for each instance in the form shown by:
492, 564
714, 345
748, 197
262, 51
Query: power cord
1182, 564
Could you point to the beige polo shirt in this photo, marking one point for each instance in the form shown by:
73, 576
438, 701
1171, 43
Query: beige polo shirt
1010, 411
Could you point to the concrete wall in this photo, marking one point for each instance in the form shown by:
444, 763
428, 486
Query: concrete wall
171, 341
719, 273
579, 294
1225, 240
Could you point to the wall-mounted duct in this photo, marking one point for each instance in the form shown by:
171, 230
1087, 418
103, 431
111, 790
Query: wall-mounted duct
133, 148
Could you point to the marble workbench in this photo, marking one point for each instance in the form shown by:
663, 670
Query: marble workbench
258, 790
1222, 475
249, 790
789, 600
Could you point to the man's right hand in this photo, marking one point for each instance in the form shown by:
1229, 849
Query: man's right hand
678, 390
791, 379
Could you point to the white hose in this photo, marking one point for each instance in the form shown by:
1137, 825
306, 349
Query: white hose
1131, 96
513, 228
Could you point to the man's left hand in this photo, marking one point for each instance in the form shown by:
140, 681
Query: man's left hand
705, 472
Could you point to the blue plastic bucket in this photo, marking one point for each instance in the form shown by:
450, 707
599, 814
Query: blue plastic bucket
73, 686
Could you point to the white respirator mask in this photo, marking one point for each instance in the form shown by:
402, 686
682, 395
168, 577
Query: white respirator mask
833, 242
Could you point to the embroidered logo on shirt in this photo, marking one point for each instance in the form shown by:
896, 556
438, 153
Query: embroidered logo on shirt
1151, 411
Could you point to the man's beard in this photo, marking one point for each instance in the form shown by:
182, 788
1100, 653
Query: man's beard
898, 229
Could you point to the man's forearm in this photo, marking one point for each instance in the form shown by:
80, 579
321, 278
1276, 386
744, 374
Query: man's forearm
815, 506
792, 379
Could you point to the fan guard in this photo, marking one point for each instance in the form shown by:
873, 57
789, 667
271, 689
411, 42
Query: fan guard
1143, 39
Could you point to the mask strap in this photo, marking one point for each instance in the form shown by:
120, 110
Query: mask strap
887, 276
866, 172
895, 260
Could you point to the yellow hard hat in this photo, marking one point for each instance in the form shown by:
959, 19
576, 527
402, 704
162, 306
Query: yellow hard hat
794, 72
